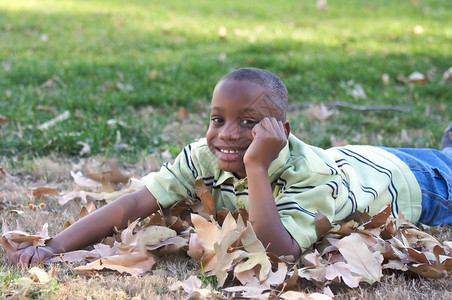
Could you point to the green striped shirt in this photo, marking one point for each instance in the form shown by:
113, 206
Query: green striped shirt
304, 179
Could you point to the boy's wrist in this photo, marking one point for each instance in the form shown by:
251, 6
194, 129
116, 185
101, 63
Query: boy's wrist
256, 168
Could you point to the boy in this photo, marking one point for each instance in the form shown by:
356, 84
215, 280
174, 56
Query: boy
249, 159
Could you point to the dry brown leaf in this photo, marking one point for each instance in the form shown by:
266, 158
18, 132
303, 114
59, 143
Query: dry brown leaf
256, 254
253, 287
346, 229
153, 74
224, 258
182, 113
359, 259
113, 176
208, 204
106, 186
134, 263
187, 285
87, 209
48, 109
427, 241
71, 196
417, 77
39, 275
292, 295
18, 239
100, 251
319, 112
109, 197
341, 270
169, 246
42, 192
322, 224
379, 219
426, 268
4, 120
83, 181
447, 76
201, 244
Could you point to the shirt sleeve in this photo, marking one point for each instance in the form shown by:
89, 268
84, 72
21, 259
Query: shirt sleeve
176, 181
298, 203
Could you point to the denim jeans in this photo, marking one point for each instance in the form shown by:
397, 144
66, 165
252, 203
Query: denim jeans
433, 171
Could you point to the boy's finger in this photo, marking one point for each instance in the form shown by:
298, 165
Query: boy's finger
268, 124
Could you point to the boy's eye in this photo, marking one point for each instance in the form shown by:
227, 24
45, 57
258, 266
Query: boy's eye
216, 120
248, 122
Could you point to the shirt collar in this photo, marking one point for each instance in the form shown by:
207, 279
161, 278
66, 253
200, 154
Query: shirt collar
280, 161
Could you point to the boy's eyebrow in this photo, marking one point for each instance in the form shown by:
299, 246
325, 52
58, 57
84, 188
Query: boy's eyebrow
252, 110
217, 108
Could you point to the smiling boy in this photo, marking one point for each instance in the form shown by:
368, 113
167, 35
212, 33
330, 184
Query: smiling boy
249, 159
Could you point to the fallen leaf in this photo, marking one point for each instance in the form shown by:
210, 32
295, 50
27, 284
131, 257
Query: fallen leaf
418, 29
322, 4
378, 219
153, 74
222, 32
417, 77
42, 192
182, 113
38, 275
133, 186
18, 239
360, 260
319, 112
354, 89
447, 77
71, 196
187, 285
386, 79
83, 181
113, 176
48, 109
86, 149
292, 295
86, 210
322, 224
208, 203
134, 263
4, 120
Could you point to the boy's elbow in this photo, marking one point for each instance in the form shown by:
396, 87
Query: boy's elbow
144, 203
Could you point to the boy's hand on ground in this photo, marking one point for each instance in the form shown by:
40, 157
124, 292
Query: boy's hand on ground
32, 256
269, 138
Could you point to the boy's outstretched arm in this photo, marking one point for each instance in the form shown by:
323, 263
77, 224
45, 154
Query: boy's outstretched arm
93, 227
270, 137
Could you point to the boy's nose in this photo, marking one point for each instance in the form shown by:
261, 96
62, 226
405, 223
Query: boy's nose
229, 132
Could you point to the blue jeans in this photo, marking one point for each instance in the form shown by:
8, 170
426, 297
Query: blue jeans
433, 171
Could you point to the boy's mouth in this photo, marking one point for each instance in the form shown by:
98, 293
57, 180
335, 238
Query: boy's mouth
228, 151
229, 154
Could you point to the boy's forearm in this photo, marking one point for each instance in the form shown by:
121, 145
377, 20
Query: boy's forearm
264, 215
100, 223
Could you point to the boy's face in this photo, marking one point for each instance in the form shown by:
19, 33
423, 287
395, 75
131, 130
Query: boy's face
236, 107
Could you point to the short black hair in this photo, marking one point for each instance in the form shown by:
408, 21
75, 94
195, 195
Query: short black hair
273, 85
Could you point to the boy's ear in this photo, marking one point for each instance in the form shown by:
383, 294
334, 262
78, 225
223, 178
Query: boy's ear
287, 128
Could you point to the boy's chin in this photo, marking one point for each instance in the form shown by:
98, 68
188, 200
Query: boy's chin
237, 170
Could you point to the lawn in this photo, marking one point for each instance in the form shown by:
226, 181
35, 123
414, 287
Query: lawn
121, 72
138, 62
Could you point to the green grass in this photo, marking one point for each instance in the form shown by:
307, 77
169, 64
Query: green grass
112, 60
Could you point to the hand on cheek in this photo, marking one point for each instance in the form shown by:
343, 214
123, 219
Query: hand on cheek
269, 138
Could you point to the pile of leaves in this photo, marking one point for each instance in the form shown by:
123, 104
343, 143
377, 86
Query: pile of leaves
232, 260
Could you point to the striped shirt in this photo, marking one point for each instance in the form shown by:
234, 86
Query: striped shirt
305, 179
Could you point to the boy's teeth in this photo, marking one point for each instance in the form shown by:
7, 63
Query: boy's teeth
229, 151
